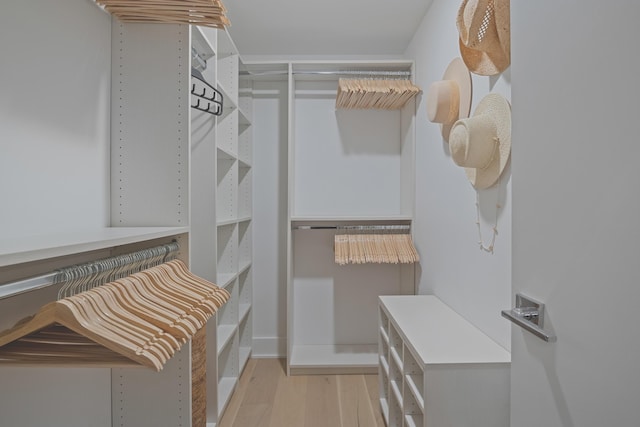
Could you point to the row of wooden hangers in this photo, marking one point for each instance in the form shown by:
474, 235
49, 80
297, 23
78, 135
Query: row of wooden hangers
211, 13
375, 248
386, 94
142, 318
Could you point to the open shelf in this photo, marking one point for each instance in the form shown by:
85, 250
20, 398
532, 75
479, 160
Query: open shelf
334, 359
435, 373
224, 280
34, 248
225, 335
200, 42
226, 386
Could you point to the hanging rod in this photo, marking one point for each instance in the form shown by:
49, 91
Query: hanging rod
380, 73
39, 282
354, 227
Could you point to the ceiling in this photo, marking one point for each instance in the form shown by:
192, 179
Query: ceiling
324, 27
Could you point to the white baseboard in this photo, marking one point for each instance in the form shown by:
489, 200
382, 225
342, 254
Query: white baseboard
265, 347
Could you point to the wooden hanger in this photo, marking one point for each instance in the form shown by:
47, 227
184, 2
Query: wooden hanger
197, 12
64, 313
386, 94
142, 318
374, 249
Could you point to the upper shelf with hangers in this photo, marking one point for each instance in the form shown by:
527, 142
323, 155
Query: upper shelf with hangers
383, 85
381, 94
211, 13
138, 308
35, 248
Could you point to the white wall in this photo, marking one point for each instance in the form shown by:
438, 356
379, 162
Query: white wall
475, 284
54, 177
54, 113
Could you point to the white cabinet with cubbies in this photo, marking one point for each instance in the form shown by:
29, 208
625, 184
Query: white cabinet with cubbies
438, 369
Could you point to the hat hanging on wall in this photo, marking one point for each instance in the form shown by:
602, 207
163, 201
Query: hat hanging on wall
484, 29
449, 99
482, 143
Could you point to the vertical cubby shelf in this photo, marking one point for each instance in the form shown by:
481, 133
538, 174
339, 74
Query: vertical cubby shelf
228, 372
439, 376
233, 219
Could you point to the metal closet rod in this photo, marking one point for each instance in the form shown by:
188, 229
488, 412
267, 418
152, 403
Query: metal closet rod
380, 73
354, 227
50, 279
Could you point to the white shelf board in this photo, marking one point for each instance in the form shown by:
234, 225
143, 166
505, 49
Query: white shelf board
395, 390
201, 44
226, 222
225, 280
243, 119
334, 356
385, 365
226, 385
243, 164
244, 311
396, 357
244, 267
245, 354
225, 155
384, 335
244, 218
229, 103
414, 391
39, 247
225, 334
420, 319
413, 420
354, 218
384, 406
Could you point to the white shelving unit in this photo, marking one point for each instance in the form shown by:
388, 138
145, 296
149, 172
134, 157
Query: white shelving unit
105, 172
229, 190
123, 163
435, 368
351, 167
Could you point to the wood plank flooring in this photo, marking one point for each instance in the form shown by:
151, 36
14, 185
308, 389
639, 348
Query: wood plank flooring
267, 397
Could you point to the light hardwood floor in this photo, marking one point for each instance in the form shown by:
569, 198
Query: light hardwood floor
267, 397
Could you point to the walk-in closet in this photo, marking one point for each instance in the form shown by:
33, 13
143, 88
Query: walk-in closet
236, 213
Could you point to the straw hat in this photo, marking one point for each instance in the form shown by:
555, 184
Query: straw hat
449, 99
482, 143
484, 30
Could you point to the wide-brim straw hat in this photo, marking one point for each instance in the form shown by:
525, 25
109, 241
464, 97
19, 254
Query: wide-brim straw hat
449, 99
485, 35
482, 143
